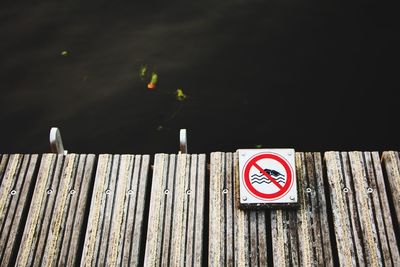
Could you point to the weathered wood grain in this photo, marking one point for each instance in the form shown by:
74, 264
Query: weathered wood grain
301, 237
53, 222
17, 181
115, 223
391, 161
236, 237
43, 212
176, 215
363, 226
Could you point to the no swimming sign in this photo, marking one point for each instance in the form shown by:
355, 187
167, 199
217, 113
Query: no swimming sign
267, 177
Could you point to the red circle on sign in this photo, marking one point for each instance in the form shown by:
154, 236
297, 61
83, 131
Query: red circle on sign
282, 189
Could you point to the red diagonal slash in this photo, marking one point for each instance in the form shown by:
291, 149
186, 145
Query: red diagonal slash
269, 177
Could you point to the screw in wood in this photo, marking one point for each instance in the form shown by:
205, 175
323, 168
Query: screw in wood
130, 192
346, 190
308, 190
72, 192
370, 190
166, 191
13, 192
108, 191
225, 191
49, 191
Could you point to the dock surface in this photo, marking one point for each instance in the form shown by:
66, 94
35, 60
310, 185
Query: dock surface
183, 210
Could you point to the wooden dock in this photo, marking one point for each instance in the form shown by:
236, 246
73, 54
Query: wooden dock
183, 210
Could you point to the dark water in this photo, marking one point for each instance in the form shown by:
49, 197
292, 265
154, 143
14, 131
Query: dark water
311, 75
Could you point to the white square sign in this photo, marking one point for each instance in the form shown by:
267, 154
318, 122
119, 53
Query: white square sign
267, 176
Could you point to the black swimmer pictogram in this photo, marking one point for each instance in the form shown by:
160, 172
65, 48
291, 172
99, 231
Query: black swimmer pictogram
260, 178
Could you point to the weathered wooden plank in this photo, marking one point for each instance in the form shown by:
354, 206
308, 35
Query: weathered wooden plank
294, 239
114, 231
262, 237
17, 181
168, 187
3, 165
8, 182
313, 220
301, 237
279, 243
69, 216
339, 193
381, 209
118, 207
351, 206
236, 237
222, 222
229, 199
322, 212
48, 236
90, 249
46, 209
365, 208
80, 206
178, 227
253, 239
304, 215
174, 236
391, 161
124, 248
215, 240
155, 225
240, 220
139, 209
199, 204
96, 215
103, 236
285, 234
74, 216
191, 216
365, 218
